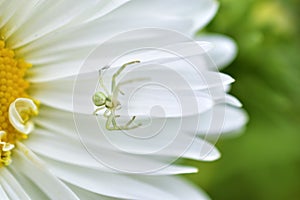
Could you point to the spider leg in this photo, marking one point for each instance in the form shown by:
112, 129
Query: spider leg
98, 109
116, 87
132, 81
117, 90
113, 84
114, 123
126, 126
130, 122
121, 92
132, 127
118, 107
114, 96
111, 123
107, 113
101, 79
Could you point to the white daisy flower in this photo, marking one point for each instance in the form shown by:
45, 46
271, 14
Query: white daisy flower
43, 47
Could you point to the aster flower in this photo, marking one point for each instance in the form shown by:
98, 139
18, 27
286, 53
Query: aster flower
43, 47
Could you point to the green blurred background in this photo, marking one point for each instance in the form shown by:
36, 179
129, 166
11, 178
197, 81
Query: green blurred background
264, 162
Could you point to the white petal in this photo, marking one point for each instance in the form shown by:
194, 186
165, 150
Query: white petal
178, 187
31, 189
73, 152
34, 14
156, 103
61, 148
168, 170
12, 187
86, 194
8, 10
67, 57
168, 145
99, 9
184, 17
59, 127
190, 16
110, 148
181, 144
106, 184
222, 119
31, 15
26, 162
224, 49
219, 96
78, 40
175, 170
231, 100
202, 150
3, 194
157, 86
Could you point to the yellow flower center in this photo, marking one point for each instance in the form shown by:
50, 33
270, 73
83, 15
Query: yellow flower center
15, 106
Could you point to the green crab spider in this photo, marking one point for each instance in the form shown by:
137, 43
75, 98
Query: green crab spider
109, 101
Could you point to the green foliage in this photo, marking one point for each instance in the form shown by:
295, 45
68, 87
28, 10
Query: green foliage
264, 162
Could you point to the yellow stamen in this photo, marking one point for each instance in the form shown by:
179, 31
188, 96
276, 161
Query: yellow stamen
13, 87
